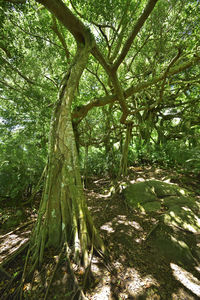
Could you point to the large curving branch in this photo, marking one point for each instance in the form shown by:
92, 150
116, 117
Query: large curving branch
67, 18
139, 24
61, 38
80, 32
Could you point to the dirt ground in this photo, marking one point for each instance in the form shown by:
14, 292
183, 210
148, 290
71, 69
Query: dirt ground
136, 270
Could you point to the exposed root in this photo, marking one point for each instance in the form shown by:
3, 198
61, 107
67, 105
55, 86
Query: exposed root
77, 292
14, 254
16, 229
54, 271
4, 273
5, 293
24, 274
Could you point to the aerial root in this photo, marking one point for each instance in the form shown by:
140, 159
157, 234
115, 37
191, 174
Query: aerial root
54, 271
8, 286
76, 291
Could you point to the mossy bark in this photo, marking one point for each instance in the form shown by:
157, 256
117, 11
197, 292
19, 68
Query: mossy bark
63, 213
124, 157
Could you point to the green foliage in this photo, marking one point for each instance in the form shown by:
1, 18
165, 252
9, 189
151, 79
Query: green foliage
22, 163
172, 154
100, 164
165, 115
193, 163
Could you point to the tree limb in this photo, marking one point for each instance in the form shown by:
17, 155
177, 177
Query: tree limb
138, 88
165, 74
92, 22
121, 34
97, 77
134, 89
147, 11
75, 26
60, 36
35, 35
67, 18
18, 72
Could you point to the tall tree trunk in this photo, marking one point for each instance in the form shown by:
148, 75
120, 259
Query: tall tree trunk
63, 213
124, 158
108, 144
85, 177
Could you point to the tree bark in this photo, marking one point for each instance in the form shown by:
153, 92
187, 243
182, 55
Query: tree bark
63, 213
124, 158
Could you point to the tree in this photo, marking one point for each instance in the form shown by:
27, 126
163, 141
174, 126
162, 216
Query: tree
63, 215
135, 73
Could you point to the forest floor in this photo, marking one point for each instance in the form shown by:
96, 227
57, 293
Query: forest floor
139, 271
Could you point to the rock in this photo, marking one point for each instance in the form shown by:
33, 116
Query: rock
172, 246
175, 235
181, 201
152, 206
139, 193
163, 189
182, 217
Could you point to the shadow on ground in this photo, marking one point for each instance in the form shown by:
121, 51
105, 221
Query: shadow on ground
140, 269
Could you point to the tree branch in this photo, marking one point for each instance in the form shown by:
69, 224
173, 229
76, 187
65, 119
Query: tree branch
165, 74
130, 91
147, 11
97, 77
121, 34
28, 80
134, 89
60, 36
75, 26
5, 50
18, 72
35, 35
95, 103
67, 18
92, 22
138, 51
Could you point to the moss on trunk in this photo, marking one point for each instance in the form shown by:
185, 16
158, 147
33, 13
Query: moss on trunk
63, 213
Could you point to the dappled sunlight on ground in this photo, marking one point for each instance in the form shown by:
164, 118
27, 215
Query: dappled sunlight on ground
107, 227
135, 225
12, 242
140, 270
135, 268
136, 284
126, 283
186, 278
